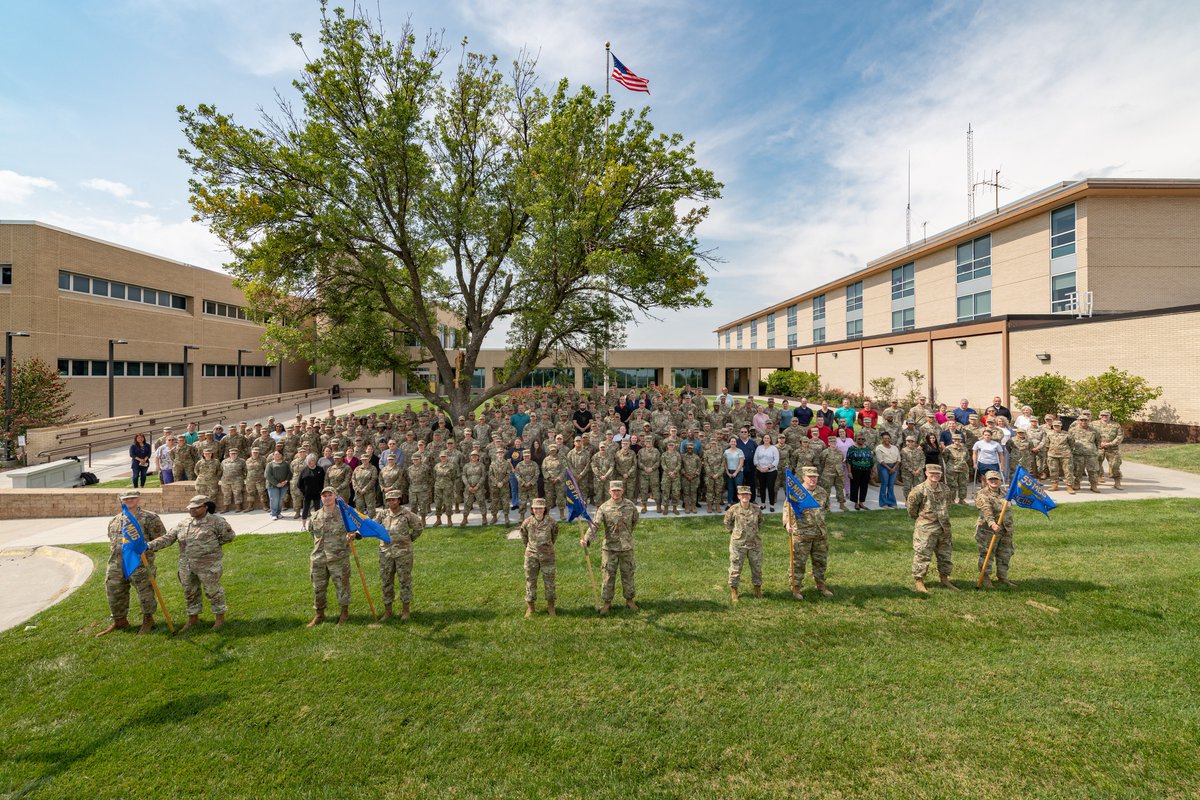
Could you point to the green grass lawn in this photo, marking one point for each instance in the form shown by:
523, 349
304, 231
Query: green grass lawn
414, 403
1184, 457
1079, 684
152, 482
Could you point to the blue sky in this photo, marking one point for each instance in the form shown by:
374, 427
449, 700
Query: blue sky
806, 111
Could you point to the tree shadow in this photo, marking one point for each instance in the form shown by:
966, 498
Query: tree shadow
171, 711
859, 595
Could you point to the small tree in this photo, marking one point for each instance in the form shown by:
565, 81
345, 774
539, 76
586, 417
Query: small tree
791, 383
915, 378
40, 399
1124, 394
884, 389
1048, 393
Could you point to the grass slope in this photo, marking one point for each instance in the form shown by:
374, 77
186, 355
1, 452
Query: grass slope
1079, 684
1184, 457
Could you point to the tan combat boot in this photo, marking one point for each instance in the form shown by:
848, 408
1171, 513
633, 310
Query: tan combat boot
344, 617
404, 613
317, 619
118, 623
528, 609
219, 622
463, 524
758, 591
550, 608
1006, 582
147, 624
437, 521
604, 609
387, 613
945, 581
796, 593
632, 606
919, 586
1092, 487
1070, 489
824, 590
1117, 483
986, 583
192, 620
644, 509
733, 594
494, 518
1054, 487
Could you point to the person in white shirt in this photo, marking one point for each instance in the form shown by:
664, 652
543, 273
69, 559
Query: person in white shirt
766, 464
1022, 422
887, 460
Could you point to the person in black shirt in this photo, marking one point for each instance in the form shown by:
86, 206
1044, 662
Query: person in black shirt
582, 419
803, 413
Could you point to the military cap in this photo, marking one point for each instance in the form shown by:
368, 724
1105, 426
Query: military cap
526, 453
393, 494
1085, 415
1057, 423
1049, 417
1022, 432
972, 416
813, 471
475, 448
956, 436
328, 490
931, 414
443, 454
743, 490
992, 475
197, 501
910, 438
1106, 413
933, 469
553, 448
539, 502
129, 494
614, 485
578, 438
339, 454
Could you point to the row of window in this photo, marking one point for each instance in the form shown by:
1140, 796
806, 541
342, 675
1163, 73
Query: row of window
230, 371
101, 287
973, 270
84, 368
216, 309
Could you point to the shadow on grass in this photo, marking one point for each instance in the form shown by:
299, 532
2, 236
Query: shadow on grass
1055, 587
172, 711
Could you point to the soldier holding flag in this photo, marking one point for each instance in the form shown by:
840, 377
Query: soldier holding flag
804, 520
993, 524
118, 579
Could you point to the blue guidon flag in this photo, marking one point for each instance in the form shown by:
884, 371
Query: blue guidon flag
363, 526
624, 76
1026, 492
133, 543
575, 499
797, 496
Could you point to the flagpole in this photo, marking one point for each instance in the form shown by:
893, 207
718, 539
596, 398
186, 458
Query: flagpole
363, 578
991, 544
607, 78
157, 593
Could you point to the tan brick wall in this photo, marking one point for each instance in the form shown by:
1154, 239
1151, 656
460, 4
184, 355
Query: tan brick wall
877, 305
878, 363
935, 289
841, 372
1021, 267
804, 363
975, 371
68, 503
1160, 349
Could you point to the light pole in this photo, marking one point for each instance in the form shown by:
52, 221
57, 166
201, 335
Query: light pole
186, 347
8, 337
111, 400
239, 371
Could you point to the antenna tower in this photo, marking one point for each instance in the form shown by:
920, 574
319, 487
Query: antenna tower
995, 184
970, 174
908, 208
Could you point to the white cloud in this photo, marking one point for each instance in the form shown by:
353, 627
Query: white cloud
182, 240
16, 188
115, 188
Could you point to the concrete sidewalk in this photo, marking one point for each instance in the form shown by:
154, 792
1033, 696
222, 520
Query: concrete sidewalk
113, 463
34, 578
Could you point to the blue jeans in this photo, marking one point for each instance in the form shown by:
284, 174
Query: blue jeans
887, 487
166, 476
276, 493
984, 468
731, 487
139, 475
512, 488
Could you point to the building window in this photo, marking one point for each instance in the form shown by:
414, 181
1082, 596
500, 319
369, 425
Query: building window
727, 335
548, 376
1062, 231
974, 306
854, 329
477, 378
99, 287
622, 377
771, 331
215, 309
854, 297
753, 334
5, 274
903, 320
1062, 291
819, 334
818, 309
903, 282
230, 371
974, 259
689, 376
791, 339
739, 337
792, 312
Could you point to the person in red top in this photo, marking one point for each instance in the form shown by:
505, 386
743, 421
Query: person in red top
823, 432
868, 412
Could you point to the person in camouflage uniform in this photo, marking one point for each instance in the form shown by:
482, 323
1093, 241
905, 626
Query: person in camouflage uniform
330, 558
295, 493
1058, 454
744, 523
929, 504
579, 461
809, 538
498, 488
618, 517
365, 479
690, 467
474, 479
648, 461
1020, 454
256, 481
208, 474
672, 465
396, 558
527, 481
445, 475
833, 475
390, 475
420, 486
539, 532
116, 585
603, 472
1111, 436
625, 469
184, 459
956, 465
554, 474
233, 480
990, 501
912, 465
200, 558
337, 476
1085, 450
1037, 447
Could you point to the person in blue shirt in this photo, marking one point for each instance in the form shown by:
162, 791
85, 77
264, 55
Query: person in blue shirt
803, 413
694, 441
846, 413
520, 419
747, 446
785, 416
962, 414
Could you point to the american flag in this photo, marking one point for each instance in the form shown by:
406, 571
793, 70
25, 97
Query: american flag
624, 76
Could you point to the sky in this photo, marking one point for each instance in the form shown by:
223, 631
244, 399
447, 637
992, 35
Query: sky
807, 112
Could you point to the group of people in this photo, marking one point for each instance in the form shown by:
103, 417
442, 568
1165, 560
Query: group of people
672, 449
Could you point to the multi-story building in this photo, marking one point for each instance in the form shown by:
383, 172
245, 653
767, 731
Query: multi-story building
1074, 278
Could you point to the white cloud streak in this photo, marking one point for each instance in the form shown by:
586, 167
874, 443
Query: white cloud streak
16, 188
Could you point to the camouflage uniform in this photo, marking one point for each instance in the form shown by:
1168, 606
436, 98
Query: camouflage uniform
390, 478
1020, 454
833, 474
929, 505
648, 462
625, 469
690, 466
1085, 449
396, 559
912, 467
809, 540
618, 518
672, 465
527, 481
116, 585
744, 524
990, 502
445, 475
208, 475
956, 462
330, 558
498, 491
184, 458
474, 479
603, 470
1058, 454
256, 483
554, 472
420, 486
539, 537
200, 559
233, 482
1037, 447
337, 477
366, 496
1111, 436
579, 461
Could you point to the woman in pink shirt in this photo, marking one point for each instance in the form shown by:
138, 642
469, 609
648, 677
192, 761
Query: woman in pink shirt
844, 443
760, 420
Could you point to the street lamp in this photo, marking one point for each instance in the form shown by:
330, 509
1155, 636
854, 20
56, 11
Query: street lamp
8, 337
111, 401
186, 347
239, 371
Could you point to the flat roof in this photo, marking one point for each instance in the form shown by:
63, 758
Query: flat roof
1065, 191
98, 240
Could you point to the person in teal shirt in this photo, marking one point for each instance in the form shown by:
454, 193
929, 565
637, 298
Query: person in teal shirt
846, 413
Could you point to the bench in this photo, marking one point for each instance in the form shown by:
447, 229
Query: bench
54, 475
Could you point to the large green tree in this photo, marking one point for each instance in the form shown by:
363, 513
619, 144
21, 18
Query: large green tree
390, 191
40, 399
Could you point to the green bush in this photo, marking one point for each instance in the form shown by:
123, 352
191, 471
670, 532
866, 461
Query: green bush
1049, 393
1120, 392
790, 383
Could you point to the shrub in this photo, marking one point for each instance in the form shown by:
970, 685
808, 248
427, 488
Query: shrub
792, 383
884, 389
1120, 392
1049, 393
